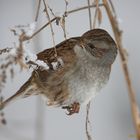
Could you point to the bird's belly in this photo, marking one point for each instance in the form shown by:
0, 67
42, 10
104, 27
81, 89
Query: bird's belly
82, 90
84, 86
81, 94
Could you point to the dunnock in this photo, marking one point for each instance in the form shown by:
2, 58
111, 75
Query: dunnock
83, 68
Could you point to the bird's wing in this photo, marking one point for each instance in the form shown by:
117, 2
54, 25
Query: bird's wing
64, 51
52, 80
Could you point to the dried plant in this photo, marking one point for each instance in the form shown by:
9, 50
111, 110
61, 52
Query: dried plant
16, 55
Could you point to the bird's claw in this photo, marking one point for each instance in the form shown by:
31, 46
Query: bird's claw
73, 108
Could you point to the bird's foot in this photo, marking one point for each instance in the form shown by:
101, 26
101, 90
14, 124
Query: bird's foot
73, 108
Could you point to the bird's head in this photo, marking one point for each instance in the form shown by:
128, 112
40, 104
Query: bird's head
100, 45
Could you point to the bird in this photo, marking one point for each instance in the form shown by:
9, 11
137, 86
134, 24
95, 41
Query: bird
83, 66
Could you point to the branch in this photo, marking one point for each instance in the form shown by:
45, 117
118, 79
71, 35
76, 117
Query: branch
44, 26
87, 124
118, 35
82, 8
89, 137
37, 12
89, 13
50, 27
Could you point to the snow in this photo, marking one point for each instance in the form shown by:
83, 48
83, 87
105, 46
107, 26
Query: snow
42, 64
57, 63
60, 61
13, 51
28, 56
30, 31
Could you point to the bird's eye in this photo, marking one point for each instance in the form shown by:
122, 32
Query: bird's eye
91, 45
95, 51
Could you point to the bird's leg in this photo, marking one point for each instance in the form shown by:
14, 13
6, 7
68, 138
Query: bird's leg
73, 108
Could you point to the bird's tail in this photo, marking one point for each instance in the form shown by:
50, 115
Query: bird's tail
26, 90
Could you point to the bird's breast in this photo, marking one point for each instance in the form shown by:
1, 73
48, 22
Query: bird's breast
85, 80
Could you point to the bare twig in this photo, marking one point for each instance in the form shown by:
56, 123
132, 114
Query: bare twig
37, 12
95, 15
61, 20
63, 24
5, 50
47, 14
87, 125
113, 9
44, 26
89, 137
98, 14
89, 13
82, 8
117, 34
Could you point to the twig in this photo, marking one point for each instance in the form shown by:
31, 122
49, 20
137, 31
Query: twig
82, 8
89, 13
117, 34
98, 14
50, 27
61, 20
89, 137
113, 9
87, 125
55, 18
37, 12
95, 15
44, 26
39, 30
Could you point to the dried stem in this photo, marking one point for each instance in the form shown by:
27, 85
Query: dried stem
89, 13
51, 27
61, 20
37, 12
113, 9
117, 34
55, 18
39, 30
95, 15
89, 137
82, 8
87, 125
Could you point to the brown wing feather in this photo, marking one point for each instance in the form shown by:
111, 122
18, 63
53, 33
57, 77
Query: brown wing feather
62, 49
52, 81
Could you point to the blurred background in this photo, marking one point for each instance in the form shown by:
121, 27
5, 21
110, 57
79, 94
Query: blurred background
110, 114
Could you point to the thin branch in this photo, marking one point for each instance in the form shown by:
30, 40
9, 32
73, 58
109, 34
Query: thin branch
55, 18
61, 20
89, 13
95, 16
39, 30
82, 8
44, 26
50, 27
37, 12
117, 34
87, 125
113, 9
89, 137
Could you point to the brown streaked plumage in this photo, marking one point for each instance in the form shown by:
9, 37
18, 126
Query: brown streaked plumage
85, 70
